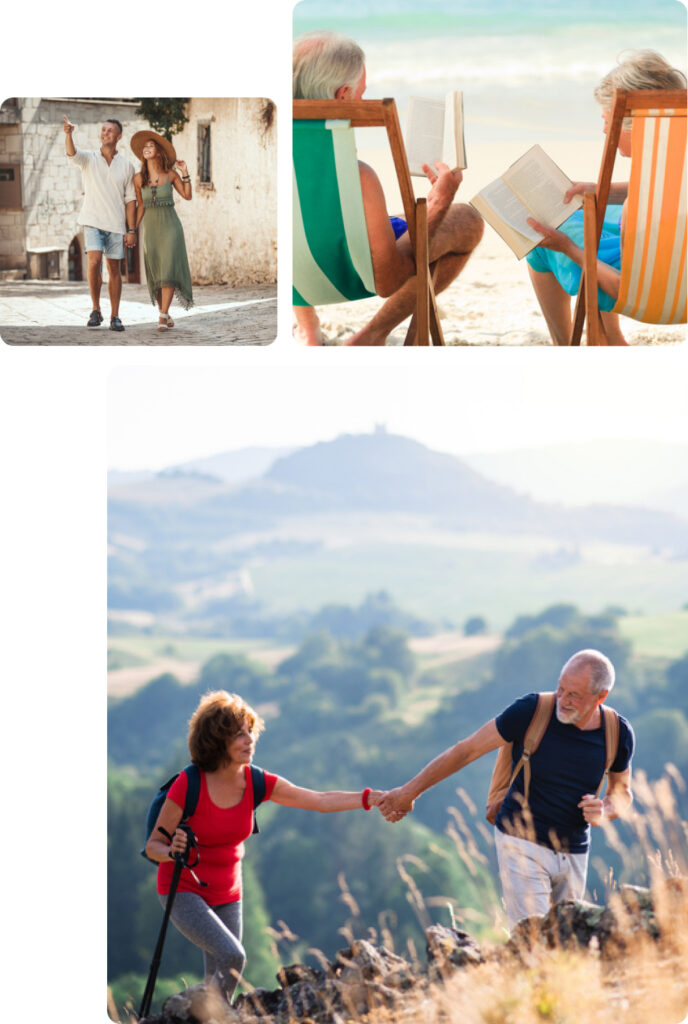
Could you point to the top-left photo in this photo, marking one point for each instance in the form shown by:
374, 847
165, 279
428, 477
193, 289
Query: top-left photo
138, 221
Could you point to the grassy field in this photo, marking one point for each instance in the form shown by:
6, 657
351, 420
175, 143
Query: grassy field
657, 636
451, 583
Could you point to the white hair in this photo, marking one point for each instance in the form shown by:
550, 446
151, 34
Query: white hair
602, 674
323, 62
641, 69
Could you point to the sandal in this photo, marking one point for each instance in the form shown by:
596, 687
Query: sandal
164, 322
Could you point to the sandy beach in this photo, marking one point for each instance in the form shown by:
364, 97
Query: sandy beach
525, 79
492, 302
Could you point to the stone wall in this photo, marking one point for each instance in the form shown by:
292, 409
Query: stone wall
231, 226
51, 185
12, 231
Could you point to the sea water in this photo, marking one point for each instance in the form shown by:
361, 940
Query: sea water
527, 69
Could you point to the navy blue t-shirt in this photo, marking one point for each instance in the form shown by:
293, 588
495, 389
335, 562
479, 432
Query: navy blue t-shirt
568, 764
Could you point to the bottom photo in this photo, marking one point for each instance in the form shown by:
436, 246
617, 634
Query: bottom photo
398, 694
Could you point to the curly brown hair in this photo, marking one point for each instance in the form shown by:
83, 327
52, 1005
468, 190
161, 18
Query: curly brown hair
219, 717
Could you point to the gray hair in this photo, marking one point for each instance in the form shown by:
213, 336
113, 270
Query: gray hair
602, 672
641, 69
323, 62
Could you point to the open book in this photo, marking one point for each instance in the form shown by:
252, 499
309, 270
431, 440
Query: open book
532, 187
434, 131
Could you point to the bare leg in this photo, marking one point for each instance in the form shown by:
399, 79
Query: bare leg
450, 249
95, 278
555, 304
307, 326
612, 328
114, 285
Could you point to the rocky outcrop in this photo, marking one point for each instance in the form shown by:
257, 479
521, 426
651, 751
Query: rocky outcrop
364, 977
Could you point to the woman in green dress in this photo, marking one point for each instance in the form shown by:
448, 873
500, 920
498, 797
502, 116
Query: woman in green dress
164, 250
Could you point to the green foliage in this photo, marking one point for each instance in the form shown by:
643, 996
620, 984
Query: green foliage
336, 723
166, 116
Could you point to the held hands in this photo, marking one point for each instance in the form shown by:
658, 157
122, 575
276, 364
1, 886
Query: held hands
395, 805
130, 239
593, 809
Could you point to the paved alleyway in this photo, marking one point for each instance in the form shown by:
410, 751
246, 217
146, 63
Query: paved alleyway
55, 313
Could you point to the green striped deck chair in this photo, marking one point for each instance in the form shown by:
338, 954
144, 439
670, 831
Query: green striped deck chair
332, 261
331, 258
653, 261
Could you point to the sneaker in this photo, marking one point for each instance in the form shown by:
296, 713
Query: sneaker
116, 324
95, 319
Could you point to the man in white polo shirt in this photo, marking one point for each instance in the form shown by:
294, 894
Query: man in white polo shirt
108, 214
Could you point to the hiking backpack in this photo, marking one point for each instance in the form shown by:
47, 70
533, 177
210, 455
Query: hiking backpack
503, 775
193, 791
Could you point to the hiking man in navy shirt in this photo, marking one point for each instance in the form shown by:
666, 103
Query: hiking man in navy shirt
542, 849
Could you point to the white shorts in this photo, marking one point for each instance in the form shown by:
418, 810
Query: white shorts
534, 877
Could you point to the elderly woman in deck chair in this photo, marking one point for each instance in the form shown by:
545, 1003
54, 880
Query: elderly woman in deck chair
330, 66
555, 265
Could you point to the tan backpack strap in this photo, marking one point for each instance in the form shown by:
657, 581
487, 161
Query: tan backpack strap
532, 738
611, 742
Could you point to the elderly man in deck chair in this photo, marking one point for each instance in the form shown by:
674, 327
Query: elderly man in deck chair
331, 66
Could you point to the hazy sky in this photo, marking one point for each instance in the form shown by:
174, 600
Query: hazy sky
487, 401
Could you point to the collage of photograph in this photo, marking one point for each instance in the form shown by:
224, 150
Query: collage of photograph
363, 676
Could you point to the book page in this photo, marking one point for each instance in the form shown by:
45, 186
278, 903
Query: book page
541, 185
509, 208
454, 145
424, 133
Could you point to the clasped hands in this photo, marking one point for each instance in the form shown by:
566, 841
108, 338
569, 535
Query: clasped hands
393, 804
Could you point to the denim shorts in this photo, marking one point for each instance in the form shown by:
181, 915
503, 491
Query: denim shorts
108, 242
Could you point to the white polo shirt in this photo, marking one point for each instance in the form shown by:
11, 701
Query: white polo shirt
107, 189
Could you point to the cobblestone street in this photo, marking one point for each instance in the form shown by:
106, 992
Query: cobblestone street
55, 313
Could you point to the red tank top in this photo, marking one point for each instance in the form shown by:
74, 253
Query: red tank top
220, 832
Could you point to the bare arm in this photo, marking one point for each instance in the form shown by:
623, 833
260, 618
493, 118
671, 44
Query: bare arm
392, 264
182, 187
393, 261
289, 795
615, 804
158, 848
608, 278
401, 800
618, 193
70, 148
140, 209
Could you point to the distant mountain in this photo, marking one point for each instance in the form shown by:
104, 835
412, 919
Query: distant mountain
238, 466
648, 473
384, 474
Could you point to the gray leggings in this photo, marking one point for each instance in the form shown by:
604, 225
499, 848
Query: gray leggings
217, 931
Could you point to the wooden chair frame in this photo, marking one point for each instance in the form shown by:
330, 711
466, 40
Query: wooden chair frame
425, 328
595, 204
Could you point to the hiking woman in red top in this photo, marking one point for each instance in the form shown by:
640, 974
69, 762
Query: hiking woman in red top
207, 907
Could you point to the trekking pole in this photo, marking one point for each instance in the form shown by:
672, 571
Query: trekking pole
180, 862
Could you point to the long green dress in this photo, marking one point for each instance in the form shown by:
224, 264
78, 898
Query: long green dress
164, 249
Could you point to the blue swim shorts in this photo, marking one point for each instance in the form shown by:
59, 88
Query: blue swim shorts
565, 270
399, 226
108, 242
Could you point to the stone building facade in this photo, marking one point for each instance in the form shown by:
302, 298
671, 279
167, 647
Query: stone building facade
230, 148
39, 234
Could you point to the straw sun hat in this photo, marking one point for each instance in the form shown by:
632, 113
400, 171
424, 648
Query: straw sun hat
139, 140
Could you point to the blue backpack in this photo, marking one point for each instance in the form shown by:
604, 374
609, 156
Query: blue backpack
193, 790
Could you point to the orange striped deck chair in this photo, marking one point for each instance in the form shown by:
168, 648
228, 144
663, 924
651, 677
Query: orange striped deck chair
653, 260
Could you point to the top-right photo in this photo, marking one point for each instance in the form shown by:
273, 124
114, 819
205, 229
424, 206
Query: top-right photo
493, 174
